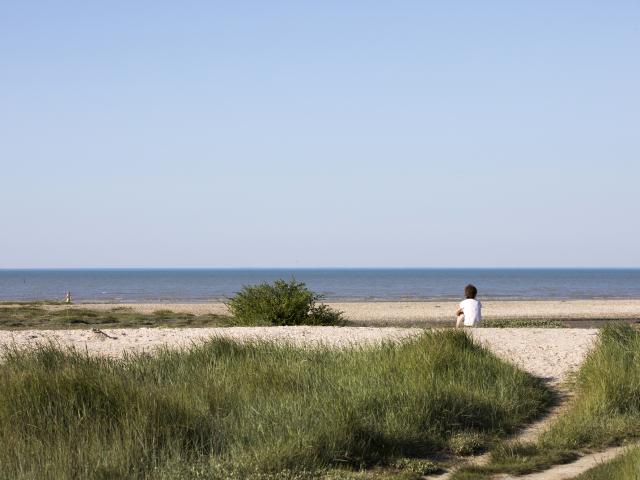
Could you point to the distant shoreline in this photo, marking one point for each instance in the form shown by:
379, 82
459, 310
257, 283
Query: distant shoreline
332, 299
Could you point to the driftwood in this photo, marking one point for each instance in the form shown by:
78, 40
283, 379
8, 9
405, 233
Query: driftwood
100, 332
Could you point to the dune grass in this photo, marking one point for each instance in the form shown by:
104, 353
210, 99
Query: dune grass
260, 410
607, 406
31, 303
37, 316
522, 323
604, 412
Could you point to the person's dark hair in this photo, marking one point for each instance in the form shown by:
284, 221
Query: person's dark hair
470, 291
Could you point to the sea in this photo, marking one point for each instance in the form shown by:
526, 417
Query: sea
337, 284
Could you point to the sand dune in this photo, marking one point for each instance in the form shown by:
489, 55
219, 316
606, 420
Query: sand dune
548, 353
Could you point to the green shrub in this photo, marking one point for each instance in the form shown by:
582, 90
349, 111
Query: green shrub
281, 303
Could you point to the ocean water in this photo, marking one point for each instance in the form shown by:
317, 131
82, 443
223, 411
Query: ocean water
199, 285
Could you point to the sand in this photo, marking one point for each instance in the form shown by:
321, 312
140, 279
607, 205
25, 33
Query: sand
403, 313
548, 353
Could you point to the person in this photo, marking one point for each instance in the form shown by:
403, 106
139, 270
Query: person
67, 298
470, 312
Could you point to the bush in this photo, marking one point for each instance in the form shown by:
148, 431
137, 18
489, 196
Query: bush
281, 303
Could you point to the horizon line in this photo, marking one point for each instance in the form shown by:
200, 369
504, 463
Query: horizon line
326, 268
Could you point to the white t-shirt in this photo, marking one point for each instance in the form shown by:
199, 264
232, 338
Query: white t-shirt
472, 310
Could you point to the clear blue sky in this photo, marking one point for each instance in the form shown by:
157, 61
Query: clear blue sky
255, 134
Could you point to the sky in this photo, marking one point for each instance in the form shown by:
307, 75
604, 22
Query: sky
319, 134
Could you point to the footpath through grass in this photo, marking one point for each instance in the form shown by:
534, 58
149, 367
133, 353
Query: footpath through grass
259, 410
625, 467
605, 411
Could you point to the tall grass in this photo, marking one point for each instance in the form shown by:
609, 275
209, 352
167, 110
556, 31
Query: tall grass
607, 406
231, 410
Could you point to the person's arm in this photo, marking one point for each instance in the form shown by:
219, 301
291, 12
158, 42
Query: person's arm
459, 316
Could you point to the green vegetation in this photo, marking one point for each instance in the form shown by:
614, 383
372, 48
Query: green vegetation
261, 410
522, 323
625, 467
281, 303
607, 406
605, 411
31, 303
25, 316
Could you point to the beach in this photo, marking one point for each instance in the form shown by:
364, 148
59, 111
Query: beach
551, 354
416, 312
546, 353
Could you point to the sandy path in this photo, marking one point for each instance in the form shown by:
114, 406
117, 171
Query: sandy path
570, 470
548, 353
532, 432
432, 311
557, 472
529, 434
545, 352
